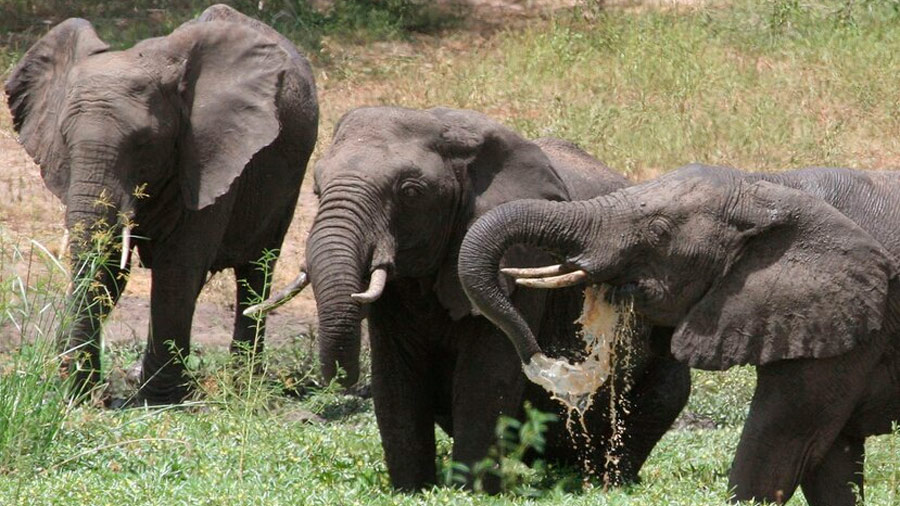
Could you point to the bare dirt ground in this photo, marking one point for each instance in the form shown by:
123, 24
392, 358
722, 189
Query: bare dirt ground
29, 211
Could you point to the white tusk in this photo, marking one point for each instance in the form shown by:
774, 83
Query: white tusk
63, 244
534, 272
126, 247
376, 286
296, 286
562, 281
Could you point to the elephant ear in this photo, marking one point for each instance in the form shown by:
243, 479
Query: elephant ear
494, 165
805, 282
36, 90
230, 84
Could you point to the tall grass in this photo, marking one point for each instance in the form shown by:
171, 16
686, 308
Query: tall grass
33, 401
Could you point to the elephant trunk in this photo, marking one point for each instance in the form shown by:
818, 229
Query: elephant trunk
341, 256
553, 226
93, 205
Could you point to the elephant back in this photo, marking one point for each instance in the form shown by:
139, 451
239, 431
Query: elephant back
585, 177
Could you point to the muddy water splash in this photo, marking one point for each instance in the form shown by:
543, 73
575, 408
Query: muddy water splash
607, 333
574, 384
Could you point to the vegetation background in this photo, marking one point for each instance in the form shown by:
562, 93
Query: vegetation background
644, 86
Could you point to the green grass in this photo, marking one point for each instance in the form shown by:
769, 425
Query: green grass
659, 89
768, 85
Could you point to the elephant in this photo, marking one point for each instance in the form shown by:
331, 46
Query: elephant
794, 273
191, 147
397, 190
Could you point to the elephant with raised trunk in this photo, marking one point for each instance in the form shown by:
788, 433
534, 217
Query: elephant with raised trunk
193, 144
794, 272
397, 191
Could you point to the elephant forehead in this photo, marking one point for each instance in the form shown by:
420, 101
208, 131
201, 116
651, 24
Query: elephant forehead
386, 158
108, 72
383, 125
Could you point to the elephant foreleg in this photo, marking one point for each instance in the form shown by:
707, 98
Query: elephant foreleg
173, 297
487, 383
798, 410
404, 400
253, 282
839, 478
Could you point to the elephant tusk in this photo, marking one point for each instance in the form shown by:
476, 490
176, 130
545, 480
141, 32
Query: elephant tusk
126, 247
534, 272
296, 286
376, 286
562, 281
63, 243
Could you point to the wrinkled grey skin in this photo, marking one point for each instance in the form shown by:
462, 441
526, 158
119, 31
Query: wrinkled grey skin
397, 190
214, 124
794, 273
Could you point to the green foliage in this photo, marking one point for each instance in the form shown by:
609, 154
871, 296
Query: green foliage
33, 401
722, 398
517, 443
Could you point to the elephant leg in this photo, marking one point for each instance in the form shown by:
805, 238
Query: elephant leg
173, 297
83, 342
403, 395
253, 282
798, 410
839, 477
653, 403
487, 383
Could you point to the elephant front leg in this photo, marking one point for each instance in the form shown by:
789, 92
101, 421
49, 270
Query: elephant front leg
404, 410
173, 297
791, 434
253, 282
487, 383
839, 478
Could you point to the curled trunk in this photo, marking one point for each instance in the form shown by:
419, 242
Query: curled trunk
553, 226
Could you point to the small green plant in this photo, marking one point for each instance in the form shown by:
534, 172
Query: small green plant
517, 443
783, 12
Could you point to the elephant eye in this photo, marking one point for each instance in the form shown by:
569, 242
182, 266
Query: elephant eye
659, 229
411, 190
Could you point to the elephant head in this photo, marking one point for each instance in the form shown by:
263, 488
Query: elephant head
175, 119
746, 271
397, 190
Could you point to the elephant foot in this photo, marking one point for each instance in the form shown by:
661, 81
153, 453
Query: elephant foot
150, 395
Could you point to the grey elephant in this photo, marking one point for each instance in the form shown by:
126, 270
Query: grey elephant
795, 273
194, 144
397, 191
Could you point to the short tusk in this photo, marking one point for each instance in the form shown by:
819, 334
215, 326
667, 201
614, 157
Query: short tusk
562, 281
63, 244
126, 247
535, 272
376, 286
296, 286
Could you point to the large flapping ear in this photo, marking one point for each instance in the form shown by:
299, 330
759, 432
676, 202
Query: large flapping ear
805, 282
36, 90
230, 84
494, 165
